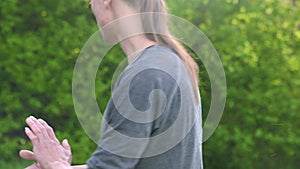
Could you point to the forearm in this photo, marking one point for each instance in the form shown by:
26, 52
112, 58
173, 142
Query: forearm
80, 167
60, 165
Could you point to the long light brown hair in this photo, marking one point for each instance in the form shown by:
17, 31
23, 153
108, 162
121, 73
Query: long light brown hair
157, 23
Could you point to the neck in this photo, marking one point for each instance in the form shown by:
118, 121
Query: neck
133, 45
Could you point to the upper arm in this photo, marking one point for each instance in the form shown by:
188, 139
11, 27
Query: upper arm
138, 110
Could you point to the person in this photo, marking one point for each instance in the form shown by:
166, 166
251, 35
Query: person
161, 126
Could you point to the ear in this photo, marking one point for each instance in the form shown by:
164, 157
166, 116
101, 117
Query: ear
107, 2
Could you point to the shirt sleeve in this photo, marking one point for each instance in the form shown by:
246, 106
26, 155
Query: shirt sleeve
138, 109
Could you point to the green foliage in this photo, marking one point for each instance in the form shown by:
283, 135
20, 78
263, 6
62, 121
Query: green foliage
40, 42
16, 165
258, 42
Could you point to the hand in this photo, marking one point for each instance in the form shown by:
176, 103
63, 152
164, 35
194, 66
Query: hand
34, 166
29, 155
47, 150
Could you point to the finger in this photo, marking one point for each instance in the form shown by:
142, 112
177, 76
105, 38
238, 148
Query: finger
38, 165
68, 152
33, 166
33, 138
27, 155
38, 129
49, 129
66, 145
34, 125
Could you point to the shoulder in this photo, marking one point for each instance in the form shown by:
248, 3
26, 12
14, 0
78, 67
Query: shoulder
156, 63
159, 54
158, 67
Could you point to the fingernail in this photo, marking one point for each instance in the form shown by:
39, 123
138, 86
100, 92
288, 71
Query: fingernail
26, 129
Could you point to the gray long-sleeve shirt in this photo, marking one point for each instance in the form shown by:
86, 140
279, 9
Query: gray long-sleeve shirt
152, 120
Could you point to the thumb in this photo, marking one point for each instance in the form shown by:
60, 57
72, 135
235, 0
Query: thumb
27, 155
66, 145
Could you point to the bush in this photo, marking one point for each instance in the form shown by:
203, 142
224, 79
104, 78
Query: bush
258, 43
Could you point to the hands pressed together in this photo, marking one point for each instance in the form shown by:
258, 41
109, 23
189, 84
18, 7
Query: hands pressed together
48, 152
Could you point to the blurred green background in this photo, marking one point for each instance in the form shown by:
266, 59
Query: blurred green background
258, 43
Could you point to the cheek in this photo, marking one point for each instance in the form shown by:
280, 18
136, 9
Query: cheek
100, 21
99, 14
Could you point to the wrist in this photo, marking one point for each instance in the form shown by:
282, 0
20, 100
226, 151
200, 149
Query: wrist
60, 165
